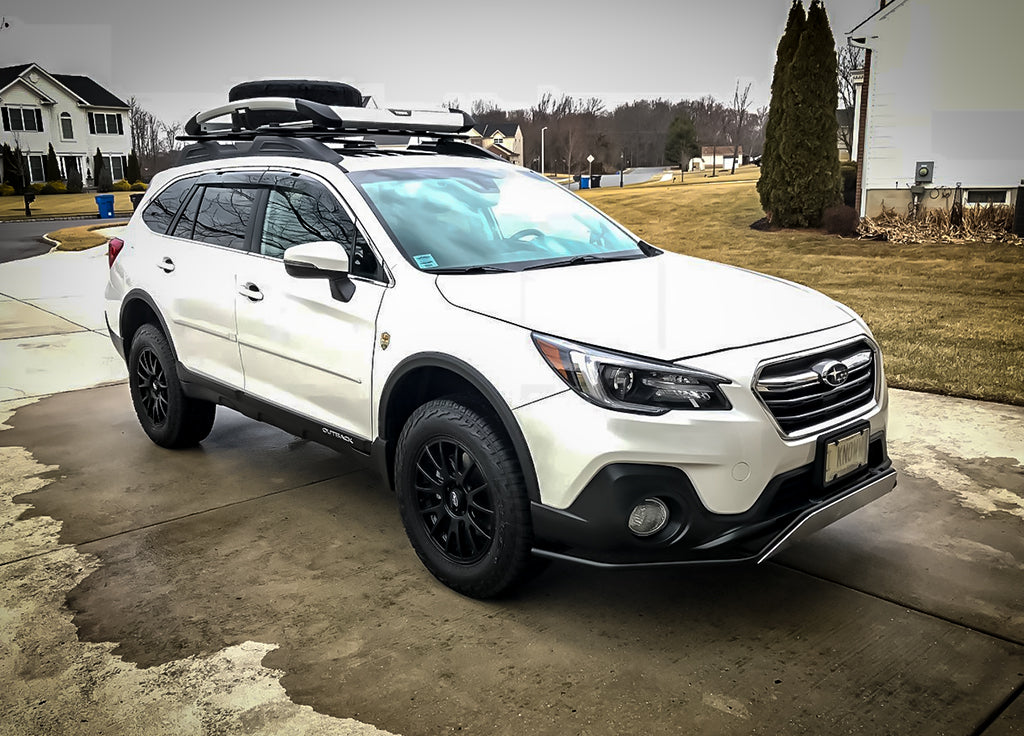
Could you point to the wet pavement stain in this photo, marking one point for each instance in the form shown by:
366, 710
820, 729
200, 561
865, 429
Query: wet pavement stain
55, 683
257, 538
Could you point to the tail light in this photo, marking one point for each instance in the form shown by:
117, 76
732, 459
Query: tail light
113, 248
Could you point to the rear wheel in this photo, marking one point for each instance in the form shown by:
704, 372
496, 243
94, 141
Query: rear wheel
168, 416
463, 500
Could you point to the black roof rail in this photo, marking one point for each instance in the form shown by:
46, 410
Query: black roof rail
260, 145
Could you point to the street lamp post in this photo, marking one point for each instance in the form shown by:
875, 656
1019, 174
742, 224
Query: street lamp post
542, 149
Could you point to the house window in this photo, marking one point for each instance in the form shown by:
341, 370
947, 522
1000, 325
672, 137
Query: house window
67, 129
986, 196
115, 165
22, 118
105, 123
36, 168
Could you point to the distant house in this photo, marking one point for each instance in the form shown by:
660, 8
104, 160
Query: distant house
74, 113
504, 139
941, 85
718, 157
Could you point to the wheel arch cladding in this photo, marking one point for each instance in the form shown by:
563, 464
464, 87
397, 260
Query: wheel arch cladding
138, 309
426, 376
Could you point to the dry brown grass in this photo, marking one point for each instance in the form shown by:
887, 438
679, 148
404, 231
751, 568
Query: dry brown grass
62, 205
81, 237
949, 317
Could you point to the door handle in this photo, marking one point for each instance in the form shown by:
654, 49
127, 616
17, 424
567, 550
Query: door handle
166, 265
250, 291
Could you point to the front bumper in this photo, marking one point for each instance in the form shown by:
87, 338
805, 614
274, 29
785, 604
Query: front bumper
593, 529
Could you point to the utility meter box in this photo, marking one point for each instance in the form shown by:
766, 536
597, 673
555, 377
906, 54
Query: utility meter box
923, 172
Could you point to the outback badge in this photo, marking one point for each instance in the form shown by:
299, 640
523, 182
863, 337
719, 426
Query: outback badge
385, 340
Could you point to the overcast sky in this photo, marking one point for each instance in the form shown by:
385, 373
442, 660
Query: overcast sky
179, 56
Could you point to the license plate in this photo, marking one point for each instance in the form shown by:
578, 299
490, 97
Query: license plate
846, 455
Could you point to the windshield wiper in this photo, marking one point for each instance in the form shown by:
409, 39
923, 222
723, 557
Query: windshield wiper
468, 269
577, 260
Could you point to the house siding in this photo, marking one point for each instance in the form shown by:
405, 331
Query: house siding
83, 146
943, 87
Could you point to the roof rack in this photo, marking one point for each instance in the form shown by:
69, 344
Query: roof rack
302, 117
302, 129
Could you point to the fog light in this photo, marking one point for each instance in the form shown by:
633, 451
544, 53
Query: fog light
648, 517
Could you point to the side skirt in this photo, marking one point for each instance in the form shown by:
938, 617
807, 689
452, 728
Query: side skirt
200, 387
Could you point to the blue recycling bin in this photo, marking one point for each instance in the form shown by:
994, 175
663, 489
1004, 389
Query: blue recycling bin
584, 182
105, 204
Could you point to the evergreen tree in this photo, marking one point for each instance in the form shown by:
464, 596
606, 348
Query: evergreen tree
681, 144
51, 168
97, 167
770, 161
809, 162
14, 169
134, 173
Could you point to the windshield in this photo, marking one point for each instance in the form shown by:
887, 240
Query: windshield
446, 219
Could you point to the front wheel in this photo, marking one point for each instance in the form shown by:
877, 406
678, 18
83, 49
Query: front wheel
168, 416
463, 500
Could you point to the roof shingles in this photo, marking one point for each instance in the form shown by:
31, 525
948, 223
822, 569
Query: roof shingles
87, 88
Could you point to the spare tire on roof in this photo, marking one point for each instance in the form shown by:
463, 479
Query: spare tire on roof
315, 90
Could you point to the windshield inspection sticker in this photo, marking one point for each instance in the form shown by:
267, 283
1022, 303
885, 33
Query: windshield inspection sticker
425, 261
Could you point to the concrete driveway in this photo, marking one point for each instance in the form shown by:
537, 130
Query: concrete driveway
263, 584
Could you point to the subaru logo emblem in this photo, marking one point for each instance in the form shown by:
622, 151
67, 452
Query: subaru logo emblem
833, 373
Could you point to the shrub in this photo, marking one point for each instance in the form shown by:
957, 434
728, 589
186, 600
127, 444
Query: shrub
74, 183
54, 187
37, 187
121, 186
103, 182
139, 187
848, 173
6, 190
840, 220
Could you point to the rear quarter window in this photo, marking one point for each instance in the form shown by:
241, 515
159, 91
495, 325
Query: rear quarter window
161, 210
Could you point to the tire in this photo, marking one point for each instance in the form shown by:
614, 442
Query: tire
463, 500
167, 415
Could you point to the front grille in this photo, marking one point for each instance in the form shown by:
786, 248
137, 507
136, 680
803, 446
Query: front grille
795, 393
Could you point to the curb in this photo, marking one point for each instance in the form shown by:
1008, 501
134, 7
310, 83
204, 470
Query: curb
45, 218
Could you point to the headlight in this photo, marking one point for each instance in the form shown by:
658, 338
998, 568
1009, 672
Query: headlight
630, 384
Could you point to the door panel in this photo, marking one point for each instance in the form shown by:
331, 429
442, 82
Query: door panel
301, 347
305, 350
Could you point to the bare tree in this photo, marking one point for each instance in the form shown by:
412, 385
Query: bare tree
849, 60
740, 105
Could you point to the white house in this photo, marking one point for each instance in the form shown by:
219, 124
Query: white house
717, 157
942, 86
74, 113
504, 139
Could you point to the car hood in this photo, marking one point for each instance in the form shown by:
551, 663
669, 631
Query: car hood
666, 307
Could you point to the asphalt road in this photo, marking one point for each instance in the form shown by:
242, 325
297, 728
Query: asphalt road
632, 176
24, 239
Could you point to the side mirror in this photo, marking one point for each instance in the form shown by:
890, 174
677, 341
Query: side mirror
323, 256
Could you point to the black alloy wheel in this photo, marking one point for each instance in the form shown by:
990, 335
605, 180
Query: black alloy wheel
454, 501
152, 384
168, 416
463, 499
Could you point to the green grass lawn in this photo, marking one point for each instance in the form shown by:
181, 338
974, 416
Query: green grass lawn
61, 205
950, 318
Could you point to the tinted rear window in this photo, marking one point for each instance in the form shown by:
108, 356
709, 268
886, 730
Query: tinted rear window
159, 213
224, 216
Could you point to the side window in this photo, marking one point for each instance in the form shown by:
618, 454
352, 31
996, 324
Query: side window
307, 212
187, 220
162, 209
224, 215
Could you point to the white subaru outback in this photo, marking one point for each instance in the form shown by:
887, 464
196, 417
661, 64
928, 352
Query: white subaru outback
532, 379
